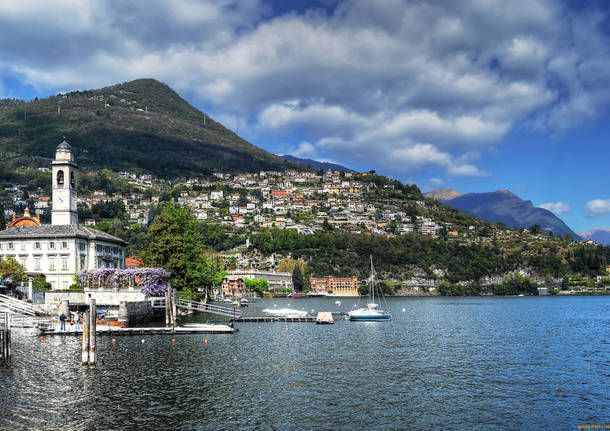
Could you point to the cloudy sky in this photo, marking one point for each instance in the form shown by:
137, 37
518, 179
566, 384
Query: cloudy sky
475, 95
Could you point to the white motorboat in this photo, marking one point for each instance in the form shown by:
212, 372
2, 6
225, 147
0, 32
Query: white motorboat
371, 312
285, 312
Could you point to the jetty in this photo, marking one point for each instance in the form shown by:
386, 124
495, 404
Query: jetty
275, 319
161, 330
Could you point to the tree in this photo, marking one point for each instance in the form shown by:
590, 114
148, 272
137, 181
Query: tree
257, 284
297, 279
535, 229
10, 267
176, 244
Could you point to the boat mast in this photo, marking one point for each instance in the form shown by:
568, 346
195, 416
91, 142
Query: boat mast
372, 283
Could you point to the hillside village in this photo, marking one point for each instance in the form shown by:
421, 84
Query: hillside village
304, 202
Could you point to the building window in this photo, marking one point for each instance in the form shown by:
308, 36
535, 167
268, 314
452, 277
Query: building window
23, 260
51, 245
51, 263
99, 248
82, 261
0, 246
60, 178
115, 250
72, 180
64, 244
37, 263
22, 246
107, 249
64, 263
11, 246
37, 246
64, 285
81, 246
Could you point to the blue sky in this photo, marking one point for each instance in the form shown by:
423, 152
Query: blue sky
476, 95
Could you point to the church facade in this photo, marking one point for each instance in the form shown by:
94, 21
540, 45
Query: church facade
59, 250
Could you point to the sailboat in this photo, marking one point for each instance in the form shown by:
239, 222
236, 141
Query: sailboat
371, 312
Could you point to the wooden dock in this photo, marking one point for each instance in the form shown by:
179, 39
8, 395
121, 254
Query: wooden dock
114, 330
275, 319
325, 317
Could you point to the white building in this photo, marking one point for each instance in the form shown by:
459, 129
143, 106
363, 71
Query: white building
64, 247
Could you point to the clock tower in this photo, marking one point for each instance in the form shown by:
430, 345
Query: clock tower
64, 186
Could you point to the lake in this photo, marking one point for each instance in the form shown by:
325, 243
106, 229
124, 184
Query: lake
476, 363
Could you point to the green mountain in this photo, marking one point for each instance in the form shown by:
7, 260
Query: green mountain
139, 126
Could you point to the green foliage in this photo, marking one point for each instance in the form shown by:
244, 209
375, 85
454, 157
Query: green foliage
297, 279
10, 267
515, 284
75, 286
176, 245
257, 284
40, 284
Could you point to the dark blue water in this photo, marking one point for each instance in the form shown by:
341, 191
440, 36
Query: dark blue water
444, 363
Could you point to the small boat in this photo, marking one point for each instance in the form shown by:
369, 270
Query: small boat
296, 295
371, 312
285, 312
337, 303
243, 302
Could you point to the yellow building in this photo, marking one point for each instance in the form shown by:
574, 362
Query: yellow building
336, 286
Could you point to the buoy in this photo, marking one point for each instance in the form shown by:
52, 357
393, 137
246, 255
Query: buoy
173, 340
558, 390
113, 340
403, 310
41, 338
205, 341
142, 341
80, 339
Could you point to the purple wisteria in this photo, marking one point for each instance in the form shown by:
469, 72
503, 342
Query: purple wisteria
151, 281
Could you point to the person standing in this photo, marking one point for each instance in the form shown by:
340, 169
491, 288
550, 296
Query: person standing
62, 320
77, 321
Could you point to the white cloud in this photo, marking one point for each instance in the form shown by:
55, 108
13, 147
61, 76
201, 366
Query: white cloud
424, 82
597, 207
304, 150
556, 208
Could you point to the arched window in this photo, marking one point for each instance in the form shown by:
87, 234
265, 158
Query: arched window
60, 178
72, 180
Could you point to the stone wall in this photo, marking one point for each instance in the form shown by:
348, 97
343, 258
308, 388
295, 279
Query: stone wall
135, 312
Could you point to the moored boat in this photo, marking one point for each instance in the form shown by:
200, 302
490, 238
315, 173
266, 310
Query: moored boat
285, 312
371, 312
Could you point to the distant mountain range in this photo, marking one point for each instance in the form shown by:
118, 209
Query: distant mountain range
503, 206
138, 126
600, 236
317, 165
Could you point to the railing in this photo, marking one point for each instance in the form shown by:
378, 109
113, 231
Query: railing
233, 312
16, 306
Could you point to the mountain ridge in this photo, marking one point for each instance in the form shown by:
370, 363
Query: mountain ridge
503, 206
315, 164
141, 126
600, 235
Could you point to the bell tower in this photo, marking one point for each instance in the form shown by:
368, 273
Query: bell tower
64, 186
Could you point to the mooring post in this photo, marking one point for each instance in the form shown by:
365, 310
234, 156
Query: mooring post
174, 307
8, 337
92, 333
85, 349
167, 305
